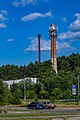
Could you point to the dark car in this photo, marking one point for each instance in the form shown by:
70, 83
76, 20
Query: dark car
48, 105
35, 105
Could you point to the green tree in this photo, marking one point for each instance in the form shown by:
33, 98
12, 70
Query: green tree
44, 94
30, 94
57, 93
16, 94
3, 93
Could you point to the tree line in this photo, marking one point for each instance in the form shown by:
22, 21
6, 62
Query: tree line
49, 84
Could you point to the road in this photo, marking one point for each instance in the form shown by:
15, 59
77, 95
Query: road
59, 113
62, 110
57, 110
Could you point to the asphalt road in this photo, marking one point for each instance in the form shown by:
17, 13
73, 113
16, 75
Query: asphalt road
61, 112
57, 110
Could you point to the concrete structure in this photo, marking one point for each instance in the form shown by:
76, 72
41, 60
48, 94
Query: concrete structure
10, 82
53, 35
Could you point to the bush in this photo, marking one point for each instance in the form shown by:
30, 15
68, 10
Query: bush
44, 94
16, 101
30, 94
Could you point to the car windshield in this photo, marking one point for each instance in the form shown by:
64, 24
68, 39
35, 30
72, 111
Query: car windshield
35, 103
44, 102
40, 105
49, 102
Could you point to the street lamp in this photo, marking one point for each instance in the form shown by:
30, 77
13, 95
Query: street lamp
78, 88
24, 88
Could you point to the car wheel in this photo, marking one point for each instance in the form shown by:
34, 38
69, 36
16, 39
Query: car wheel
33, 108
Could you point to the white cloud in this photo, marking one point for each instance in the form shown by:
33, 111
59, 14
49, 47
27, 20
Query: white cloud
34, 16
34, 45
23, 2
2, 18
46, 46
2, 25
75, 26
16, 4
4, 12
73, 32
26, 2
10, 40
77, 15
64, 19
69, 35
63, 45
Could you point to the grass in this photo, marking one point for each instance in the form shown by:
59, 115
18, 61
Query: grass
10, 115
31, 119
34, 117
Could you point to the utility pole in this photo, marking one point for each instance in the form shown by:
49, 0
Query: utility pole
24, 88
78, 88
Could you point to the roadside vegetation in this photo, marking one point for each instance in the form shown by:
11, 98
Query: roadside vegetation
49, 85
38, 115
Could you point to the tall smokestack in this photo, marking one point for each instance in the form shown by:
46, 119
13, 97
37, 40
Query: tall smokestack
39, 48
53, 35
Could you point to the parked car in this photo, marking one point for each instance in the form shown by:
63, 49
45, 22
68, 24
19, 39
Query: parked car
35, 105
48, 105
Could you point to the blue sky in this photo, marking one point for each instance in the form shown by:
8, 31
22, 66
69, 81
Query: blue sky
22, 20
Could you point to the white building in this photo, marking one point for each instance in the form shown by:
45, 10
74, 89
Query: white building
10, 82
